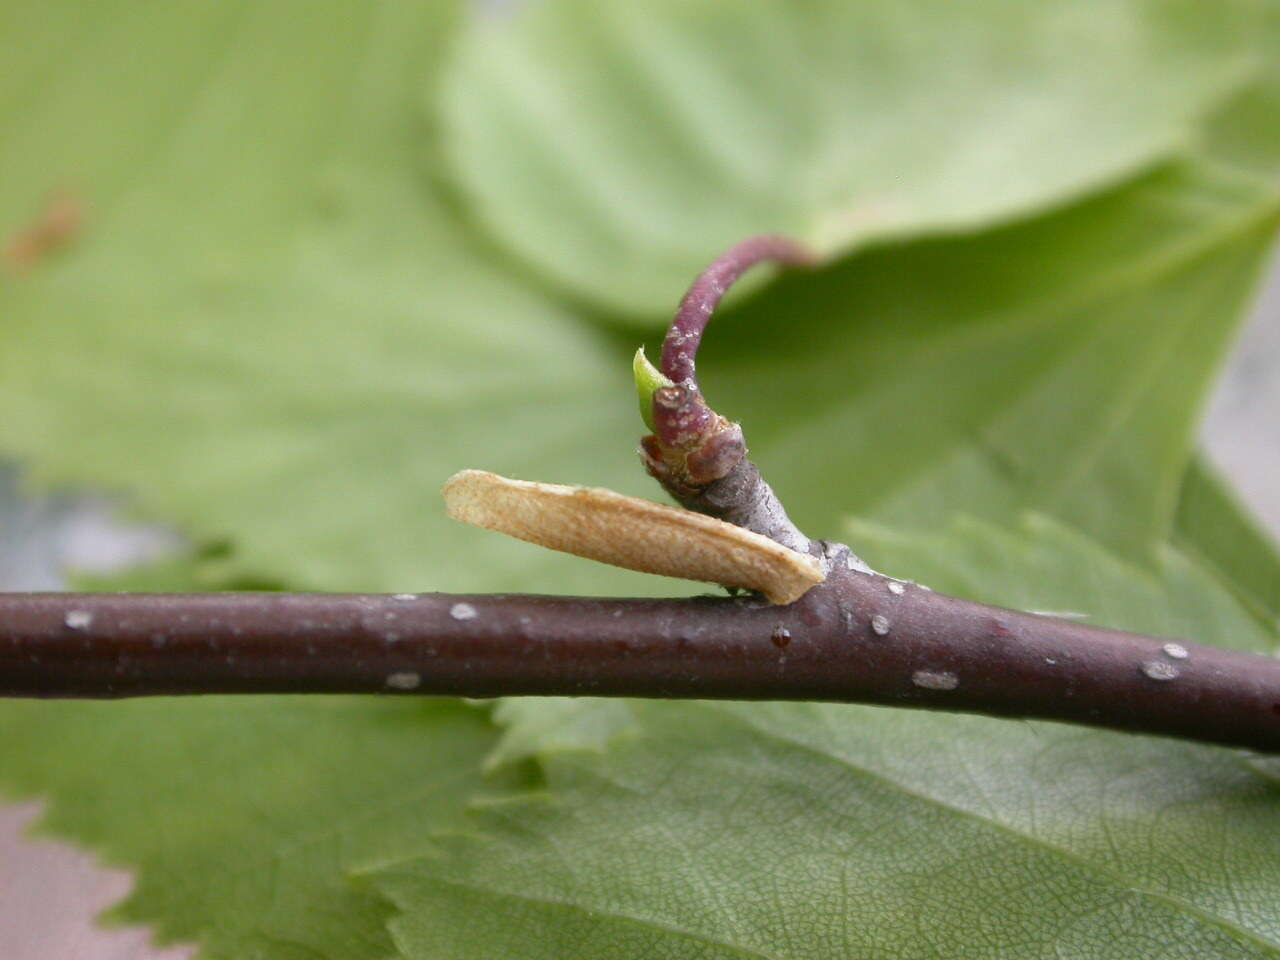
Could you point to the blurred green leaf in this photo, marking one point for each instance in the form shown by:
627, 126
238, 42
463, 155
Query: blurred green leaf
243, 817
277, 331
276, 335
1060, 364
1244, 131
1212, 523
620, 146
272, 333
534, 725
812, 830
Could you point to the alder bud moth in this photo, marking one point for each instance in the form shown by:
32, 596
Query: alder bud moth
628, 532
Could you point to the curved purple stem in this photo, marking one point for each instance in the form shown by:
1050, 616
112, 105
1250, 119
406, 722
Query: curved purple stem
680, 348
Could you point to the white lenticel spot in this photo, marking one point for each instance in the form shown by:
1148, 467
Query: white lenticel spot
1175, 650
935, 680
462, 611
1159, 670
896, 588
880, 625
404, 681
78, 619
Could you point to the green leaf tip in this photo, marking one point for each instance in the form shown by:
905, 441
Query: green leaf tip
648, 379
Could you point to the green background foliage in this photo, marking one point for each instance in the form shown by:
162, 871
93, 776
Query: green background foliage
334, 253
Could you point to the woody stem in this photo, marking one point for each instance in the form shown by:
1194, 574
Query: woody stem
857, 638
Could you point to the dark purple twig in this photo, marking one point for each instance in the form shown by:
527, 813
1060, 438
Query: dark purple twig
697, 455
680, 348
856, 638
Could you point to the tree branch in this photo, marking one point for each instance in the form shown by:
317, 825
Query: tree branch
697, 455
857, 638
680, 347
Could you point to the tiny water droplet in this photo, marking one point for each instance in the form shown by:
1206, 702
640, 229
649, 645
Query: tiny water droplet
404, 596
462, 611
404, 681
1175, 650
781, 637
1159, 670
896, 588
880, 625
78, 619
